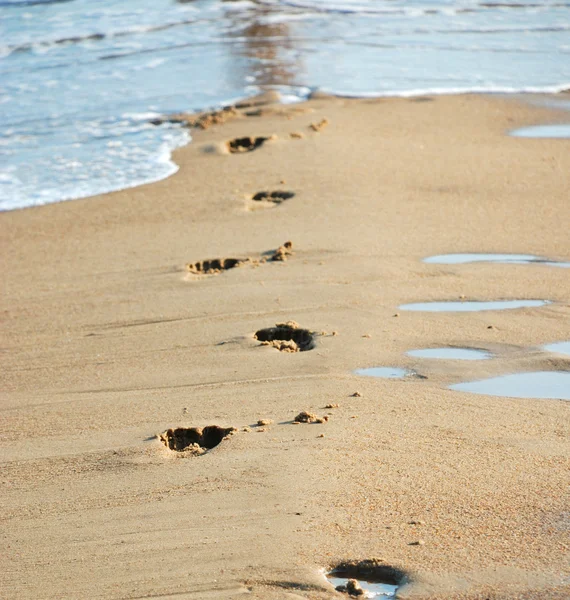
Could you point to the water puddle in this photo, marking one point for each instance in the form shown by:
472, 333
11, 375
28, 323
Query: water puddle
560, 130
370, 589
384, 372
472, 306
450, 353
558, 347
540, 384
514, 259
367, 579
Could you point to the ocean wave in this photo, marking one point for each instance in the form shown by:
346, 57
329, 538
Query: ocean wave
512, 29
112, 163
524, 5
93, 37
75, 123
20, 3
450, 91
358, 7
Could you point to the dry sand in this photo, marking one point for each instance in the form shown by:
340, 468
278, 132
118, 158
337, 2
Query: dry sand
109, 340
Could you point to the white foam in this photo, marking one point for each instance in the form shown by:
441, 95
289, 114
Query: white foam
449, 91
82, 180
166, 57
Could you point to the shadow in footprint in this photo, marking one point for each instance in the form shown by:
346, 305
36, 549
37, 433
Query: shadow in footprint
195, 440
218, 265
245, 144
281, 254
215, 265
287, 337
276, 197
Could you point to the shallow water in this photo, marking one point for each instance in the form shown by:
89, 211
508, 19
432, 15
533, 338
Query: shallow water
543, 131
373, 590
540, 384
467, 306
450, 353
384, 372
558, 347
81, 79
518, 259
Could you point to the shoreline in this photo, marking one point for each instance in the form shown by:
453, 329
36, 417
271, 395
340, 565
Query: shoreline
111, 342
272, 96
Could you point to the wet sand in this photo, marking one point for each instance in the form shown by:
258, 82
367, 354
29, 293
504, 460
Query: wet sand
109, 340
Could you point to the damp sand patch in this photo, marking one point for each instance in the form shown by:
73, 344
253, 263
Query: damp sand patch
450, 353
366, 579
199, 121
472, 306
385, 372
195, 440
548, 385
513, 259
287, 337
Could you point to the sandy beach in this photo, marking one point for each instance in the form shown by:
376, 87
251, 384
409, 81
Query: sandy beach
109, 340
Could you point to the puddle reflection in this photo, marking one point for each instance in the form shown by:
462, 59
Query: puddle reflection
558, 347
472, 306
553, 385
561, 130
450, 353
384, 372
371, 589
515, 259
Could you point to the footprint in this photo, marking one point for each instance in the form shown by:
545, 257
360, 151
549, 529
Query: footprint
320, 125
281, 253
267, 199
276, 197
195, 440
245, 144
287, 337
367, 578
215, 266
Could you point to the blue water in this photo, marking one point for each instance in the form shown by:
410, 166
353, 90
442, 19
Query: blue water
514, 259
81, 78
541, 384
472, 306
559, 347
450, 353
371, 589
560, 131
384, 372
